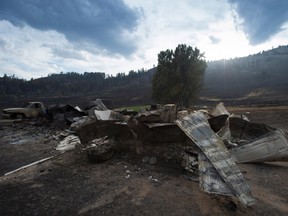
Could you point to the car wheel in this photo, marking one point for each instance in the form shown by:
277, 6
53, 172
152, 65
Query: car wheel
100, 154
19, 116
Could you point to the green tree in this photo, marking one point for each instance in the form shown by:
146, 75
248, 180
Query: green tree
179, 75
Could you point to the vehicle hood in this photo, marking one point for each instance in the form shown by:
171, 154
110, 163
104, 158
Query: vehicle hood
14, 109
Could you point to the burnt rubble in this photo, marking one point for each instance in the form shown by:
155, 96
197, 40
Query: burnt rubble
207, 144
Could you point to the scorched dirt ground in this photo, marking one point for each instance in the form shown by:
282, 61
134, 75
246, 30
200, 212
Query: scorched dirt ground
124, 185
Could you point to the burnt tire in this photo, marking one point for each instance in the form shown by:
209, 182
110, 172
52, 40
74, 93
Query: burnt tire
18, 116
100, 154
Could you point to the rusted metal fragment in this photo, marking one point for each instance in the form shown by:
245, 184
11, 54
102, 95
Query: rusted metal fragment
245, 130
197, 128
169, 113
97, 129
210, 180
158, 132
220, 109
165, 115
149, 116
81, 121
62, 115
181, 114
272, 146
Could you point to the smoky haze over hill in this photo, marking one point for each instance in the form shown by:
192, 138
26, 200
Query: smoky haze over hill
263, 75
259, 78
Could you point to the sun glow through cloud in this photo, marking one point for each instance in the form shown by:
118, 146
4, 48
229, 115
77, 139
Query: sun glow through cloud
130, 35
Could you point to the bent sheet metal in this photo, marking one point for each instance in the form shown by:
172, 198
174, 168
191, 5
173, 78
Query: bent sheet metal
197, 128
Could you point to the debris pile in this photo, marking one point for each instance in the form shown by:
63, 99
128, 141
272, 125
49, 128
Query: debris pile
207, 144
217, 167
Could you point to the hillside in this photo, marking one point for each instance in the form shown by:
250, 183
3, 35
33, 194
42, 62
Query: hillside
77, 89
263, 75
255, 79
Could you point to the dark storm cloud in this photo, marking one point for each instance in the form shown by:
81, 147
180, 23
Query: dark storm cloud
101, 22
262, 18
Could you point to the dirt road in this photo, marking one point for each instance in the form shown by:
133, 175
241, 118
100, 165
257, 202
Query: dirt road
124, 185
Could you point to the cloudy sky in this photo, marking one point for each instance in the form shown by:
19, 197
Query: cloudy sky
40, 37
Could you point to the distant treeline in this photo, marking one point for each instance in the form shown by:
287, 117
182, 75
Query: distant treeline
266, 71
70, 83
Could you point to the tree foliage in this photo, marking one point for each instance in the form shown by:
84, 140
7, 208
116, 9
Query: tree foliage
179, 75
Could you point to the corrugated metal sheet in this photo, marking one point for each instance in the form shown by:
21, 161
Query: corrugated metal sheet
197, 128
210, 180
